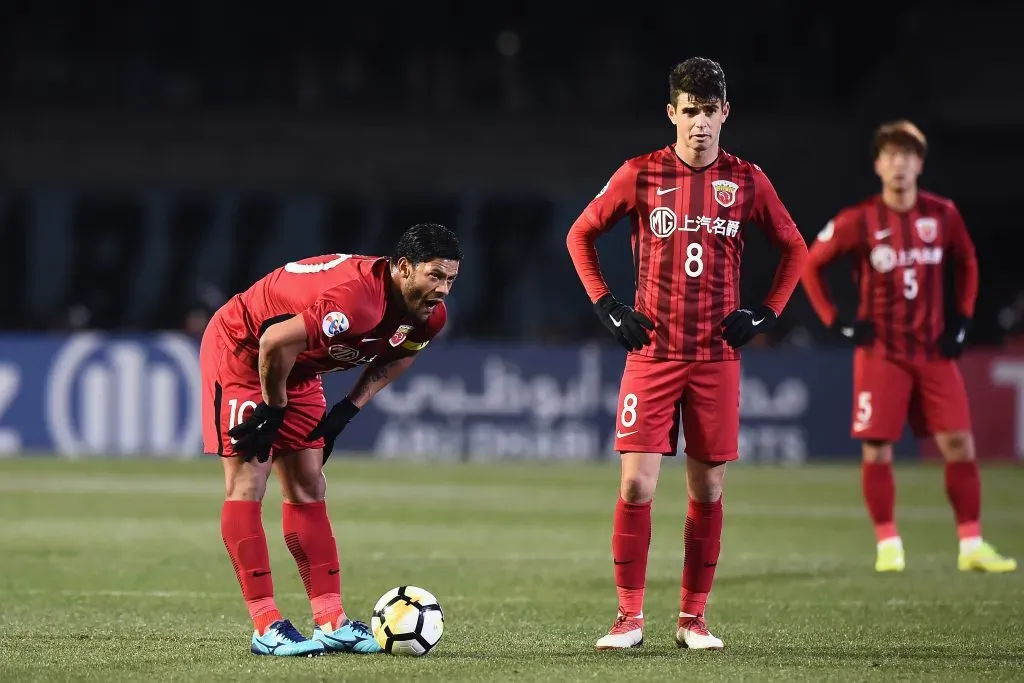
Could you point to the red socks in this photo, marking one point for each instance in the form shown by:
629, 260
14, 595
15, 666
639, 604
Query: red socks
880, 497
242, 530
702, 541
631, 539
308, 534
963, 488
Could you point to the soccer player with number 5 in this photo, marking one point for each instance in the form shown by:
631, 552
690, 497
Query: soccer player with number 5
689, 204
904, 362
264, 408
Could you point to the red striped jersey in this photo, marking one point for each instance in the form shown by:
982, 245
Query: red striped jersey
688, 227
898, 262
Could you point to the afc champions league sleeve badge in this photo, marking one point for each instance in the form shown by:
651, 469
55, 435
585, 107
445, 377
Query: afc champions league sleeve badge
334, 323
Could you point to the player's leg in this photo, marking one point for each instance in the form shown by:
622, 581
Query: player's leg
711, 417
942, 411
298, 464
229, 393
881, 400
646, 427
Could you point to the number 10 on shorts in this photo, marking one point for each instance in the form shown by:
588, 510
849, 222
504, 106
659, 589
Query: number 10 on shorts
237, 414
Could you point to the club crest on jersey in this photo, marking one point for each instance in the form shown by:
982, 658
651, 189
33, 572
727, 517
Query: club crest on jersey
400, 334
334, 323
725, 192
927, 229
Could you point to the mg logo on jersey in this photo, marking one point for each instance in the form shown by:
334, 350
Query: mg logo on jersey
725, 192
883, 258
125, 397
927, 229
663, 221
343, 354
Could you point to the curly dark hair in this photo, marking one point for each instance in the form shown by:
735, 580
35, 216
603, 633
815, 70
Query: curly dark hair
428, 241
699, 76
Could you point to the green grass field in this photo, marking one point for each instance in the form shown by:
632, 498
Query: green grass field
115, 571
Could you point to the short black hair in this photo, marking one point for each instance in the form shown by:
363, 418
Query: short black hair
699, 76
428, 241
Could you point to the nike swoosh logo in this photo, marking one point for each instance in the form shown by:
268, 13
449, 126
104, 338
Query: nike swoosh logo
622, 435
757, 322
617, 323
960, 336
372, 339
661, 191
882, 234
259, 573
332, 572
622, 561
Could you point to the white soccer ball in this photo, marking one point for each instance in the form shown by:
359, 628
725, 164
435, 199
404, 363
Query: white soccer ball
407, 621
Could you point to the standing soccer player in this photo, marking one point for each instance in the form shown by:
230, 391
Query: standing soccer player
264, 408
904, 363
689, 204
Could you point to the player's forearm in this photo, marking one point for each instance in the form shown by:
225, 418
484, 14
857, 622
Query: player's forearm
787, 275
966, 284
375, 377
582, 244
275, 364
817, 291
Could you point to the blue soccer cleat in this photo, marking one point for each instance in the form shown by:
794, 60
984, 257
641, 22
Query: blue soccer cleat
352, 636
283, 640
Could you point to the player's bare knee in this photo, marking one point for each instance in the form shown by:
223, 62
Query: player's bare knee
955, 446
244, 481
705, 481
638, 488
876, 451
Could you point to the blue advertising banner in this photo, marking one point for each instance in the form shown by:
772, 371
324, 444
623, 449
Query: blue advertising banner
92, 394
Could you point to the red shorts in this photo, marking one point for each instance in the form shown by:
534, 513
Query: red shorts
656, 394
886, 393
231, 390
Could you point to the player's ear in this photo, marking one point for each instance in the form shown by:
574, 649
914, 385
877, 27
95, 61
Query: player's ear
671, 111
725, 111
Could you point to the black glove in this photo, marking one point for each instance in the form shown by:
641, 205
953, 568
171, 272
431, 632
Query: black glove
743, 324
629, 327
954, 337
333, 423
255, 435
860, 332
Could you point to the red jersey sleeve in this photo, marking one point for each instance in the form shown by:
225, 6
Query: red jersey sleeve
838, 237
340, 313
770, 214
615, 200
966, 262
421, 335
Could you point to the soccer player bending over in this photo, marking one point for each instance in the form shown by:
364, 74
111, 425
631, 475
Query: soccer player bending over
904, 363
690, 204
264, 408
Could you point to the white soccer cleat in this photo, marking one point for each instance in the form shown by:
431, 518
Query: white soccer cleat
625, 633
693, 633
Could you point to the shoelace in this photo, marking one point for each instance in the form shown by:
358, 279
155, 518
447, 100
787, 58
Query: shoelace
361, 628
289, 632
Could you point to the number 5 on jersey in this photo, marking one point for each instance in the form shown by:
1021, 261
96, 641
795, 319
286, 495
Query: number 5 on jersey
627, 417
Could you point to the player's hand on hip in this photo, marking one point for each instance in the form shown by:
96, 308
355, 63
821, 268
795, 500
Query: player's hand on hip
743, 324
954, 337
860, 332
255, 435
333, 423
629, 327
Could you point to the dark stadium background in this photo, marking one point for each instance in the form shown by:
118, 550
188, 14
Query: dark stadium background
330, 126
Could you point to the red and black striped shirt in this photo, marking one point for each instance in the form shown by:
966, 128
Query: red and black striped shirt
898, 265
687, 233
